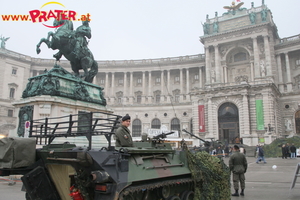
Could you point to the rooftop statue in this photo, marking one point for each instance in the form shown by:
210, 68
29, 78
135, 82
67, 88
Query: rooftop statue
73, 46
3, 41
233, 7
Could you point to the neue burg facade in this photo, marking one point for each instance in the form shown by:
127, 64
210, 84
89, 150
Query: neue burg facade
246, 85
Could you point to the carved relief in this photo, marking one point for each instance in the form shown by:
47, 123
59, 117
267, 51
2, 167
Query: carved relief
262, 68
261, 48
243, 78
237, 34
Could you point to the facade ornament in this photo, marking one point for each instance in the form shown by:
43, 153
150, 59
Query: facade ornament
261, 48
264, 14
216, 27
262, 68
242, 78
3, 41
252, 17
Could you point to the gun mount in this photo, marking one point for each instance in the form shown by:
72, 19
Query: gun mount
162, 136
206, 143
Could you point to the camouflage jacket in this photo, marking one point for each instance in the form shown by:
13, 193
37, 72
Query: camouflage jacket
238, 163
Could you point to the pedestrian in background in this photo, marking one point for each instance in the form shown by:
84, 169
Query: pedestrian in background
261, 155
283, 151
293, 151
287, 150
238, 166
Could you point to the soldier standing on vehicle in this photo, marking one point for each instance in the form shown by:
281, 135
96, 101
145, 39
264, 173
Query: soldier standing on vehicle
238, 166
123, 137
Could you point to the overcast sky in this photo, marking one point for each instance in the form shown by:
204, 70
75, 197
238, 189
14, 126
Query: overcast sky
136, 29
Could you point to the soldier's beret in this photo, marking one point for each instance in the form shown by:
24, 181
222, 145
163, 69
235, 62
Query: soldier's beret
126, 117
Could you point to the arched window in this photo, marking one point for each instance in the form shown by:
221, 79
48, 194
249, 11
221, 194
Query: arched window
155, 124
175, 124
136, 128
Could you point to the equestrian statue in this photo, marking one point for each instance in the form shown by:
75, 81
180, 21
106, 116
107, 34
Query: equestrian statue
73, 46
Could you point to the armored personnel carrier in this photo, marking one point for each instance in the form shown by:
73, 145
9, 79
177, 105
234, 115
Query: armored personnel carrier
151, 170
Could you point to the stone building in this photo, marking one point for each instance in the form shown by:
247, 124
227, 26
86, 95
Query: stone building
246, 85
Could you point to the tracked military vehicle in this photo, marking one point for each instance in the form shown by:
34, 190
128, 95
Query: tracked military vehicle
151, 170
61, 170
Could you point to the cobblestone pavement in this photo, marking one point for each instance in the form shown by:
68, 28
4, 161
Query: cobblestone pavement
262, 182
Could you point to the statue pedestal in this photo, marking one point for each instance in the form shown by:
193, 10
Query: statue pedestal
57, 93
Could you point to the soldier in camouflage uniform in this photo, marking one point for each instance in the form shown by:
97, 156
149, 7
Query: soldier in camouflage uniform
238, 166
123, 137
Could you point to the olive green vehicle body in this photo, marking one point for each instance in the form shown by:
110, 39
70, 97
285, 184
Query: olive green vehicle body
151, 170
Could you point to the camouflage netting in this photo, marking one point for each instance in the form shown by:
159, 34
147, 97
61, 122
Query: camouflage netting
274, 149
211, 176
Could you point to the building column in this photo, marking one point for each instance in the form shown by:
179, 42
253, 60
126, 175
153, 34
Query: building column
225, 74
181, 85
112, 95
256, 58
169, 93
144, 88
210, 120
288, 72
187, 81
162, 94
150, 94
246, 118
106, 85
252, 72
217, 64
267, 55
131, 95
125, 85
208, 66
200, 77
280, 77
187, 84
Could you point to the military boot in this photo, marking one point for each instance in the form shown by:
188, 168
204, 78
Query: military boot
242, 192
236, 194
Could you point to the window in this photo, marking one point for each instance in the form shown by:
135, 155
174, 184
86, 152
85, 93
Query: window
120, 82
175, 124
10, 113
157, 98
136, 128
139, 81
12, 93
120, 100
155, 124
138, 99
102, 81
177, 97
298, 62
177, 79
14, 71
196, 77
157, 80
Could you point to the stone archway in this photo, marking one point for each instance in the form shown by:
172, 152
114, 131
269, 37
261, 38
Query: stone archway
228, 119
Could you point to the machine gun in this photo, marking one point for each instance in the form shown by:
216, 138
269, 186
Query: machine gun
162, 136
206, 143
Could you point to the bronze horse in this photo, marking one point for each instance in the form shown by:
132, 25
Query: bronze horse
73, 46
